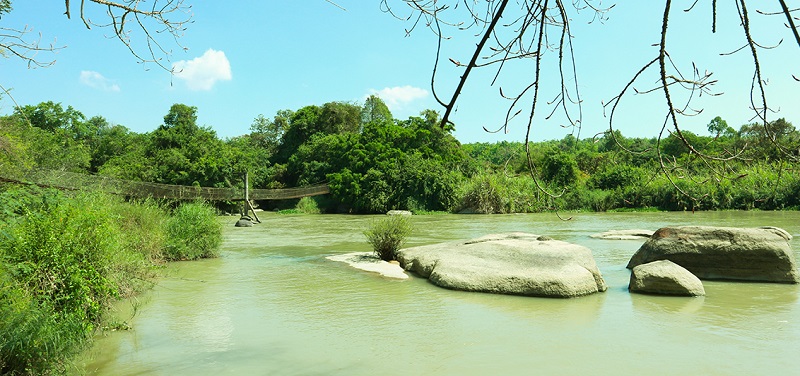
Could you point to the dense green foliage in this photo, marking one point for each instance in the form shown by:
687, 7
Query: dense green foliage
65, 258
386, 235
373, 162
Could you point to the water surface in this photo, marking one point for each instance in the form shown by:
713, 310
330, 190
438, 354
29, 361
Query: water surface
273, 305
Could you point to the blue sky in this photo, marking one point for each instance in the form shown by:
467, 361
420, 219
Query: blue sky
247, 58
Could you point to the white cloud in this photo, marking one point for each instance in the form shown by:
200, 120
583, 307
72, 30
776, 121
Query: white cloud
96, 80
201, 73
397, 97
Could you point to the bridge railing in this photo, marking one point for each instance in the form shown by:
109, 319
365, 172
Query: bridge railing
75, 181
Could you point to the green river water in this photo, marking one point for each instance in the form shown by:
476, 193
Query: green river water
273, 305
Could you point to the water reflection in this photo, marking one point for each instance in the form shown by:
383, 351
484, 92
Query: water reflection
651, 304
272, 304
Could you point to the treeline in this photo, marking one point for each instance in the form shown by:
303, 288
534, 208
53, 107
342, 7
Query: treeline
373, 162
612, 172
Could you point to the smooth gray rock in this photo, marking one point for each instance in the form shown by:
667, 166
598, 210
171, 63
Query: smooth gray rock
749, 254
510, 263
398, 212
666, 278
635, 234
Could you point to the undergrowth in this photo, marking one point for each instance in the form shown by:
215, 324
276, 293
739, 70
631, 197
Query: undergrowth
64, 259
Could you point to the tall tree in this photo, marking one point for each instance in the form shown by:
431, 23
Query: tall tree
375, 110
52, 116
717, 126
181, 152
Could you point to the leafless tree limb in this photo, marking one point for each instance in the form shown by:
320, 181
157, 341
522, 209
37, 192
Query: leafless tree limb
139, 24
528, 36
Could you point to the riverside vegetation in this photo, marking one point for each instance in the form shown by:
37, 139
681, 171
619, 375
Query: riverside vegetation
373, 162
64, 257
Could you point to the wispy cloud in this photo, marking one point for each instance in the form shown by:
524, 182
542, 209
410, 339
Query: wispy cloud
399, 96
201, 73
96, 80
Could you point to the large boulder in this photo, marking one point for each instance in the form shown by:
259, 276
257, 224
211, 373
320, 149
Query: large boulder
750, 254
510, 263
666, 278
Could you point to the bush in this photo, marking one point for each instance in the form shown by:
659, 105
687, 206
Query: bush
193, 232
387, 235
61, 269
64, 259
500, 194
34, 339
617, 176
307, 205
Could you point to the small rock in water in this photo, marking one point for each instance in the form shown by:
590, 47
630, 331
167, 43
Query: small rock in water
635, 234
665, 277
244, 221
368, 262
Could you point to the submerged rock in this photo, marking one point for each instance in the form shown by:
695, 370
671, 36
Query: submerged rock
666, 278
368, 262
635, 234
511, 263
750, 254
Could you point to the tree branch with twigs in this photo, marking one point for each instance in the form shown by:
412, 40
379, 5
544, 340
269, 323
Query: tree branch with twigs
143, 27
526, 31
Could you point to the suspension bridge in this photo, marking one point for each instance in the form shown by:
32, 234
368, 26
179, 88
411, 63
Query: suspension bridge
75, 181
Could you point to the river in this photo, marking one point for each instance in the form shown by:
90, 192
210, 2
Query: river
273, 305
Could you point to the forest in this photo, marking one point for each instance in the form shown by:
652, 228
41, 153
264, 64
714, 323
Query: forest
373, 162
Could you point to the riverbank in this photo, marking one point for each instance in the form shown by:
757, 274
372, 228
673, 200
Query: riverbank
66, 258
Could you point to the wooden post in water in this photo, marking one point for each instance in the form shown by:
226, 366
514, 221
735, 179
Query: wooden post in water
248, 207
246, 193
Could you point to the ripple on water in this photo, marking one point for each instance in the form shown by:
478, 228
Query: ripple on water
272, 304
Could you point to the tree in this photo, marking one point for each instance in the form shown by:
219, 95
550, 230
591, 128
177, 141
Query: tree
560, 168
772, 142
717, 126
540, 33
181, 152
52, 117
267, 133
375, 110
330, 118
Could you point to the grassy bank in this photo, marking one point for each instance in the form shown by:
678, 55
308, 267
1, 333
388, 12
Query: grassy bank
65, 258
760, 186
